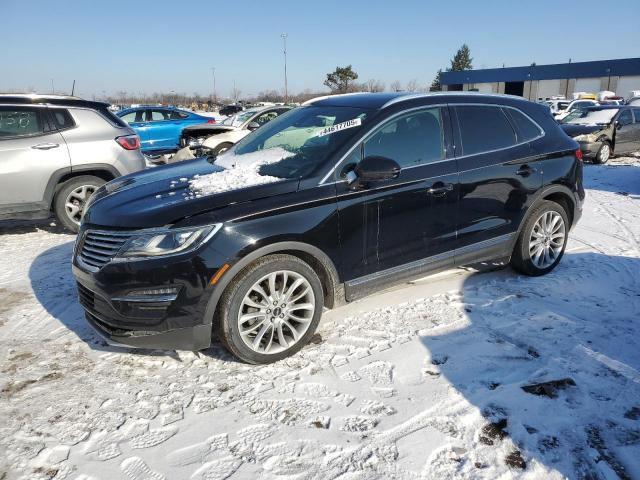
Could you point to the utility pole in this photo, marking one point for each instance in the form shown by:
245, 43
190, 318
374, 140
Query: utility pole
53, 90
235, 92
286, 88
215, 97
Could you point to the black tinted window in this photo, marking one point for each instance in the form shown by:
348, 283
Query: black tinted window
525, 128
19, 121
636, 113
484, 129
62, 119
625, 117
176, 115
410, 140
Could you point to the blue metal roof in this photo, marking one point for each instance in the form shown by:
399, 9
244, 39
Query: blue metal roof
600, 68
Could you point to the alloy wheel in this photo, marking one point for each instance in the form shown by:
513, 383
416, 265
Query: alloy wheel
547, 239
276, 312
605, 152
76, 200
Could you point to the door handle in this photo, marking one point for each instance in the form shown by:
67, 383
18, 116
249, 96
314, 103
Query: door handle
525, 171
440, 188
45, 146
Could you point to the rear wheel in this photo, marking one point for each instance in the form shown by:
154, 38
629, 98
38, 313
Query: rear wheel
604, 153
542, 241
271, 309
71, 199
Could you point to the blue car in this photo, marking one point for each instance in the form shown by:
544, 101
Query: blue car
160, 128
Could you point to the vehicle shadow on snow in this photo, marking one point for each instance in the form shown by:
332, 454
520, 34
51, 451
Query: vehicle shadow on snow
615, 178
55, 288
14, 227
575, 328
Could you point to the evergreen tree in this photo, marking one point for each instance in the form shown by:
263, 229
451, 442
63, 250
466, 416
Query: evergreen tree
461, 60
341, 80
436, 86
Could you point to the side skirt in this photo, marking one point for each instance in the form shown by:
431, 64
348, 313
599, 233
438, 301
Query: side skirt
495, 248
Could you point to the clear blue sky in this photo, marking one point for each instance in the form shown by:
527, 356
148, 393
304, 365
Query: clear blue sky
148, 46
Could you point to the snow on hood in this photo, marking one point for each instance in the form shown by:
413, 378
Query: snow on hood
240, 171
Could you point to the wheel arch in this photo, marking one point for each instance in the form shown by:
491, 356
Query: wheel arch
59, 177
319, 261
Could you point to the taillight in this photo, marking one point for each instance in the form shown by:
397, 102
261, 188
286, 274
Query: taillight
579, 155
211, 120
129, 142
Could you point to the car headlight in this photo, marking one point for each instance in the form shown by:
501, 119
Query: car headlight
584, 138
160, 243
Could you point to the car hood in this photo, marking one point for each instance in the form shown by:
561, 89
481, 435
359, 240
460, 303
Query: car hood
165, 195
573, 129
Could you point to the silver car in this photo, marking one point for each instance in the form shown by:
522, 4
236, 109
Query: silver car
55, 151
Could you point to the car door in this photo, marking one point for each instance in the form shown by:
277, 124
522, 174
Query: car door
138, 121
395, 228
163, 132
626, 132
498, 177
31, 151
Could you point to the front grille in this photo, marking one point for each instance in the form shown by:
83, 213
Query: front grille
99, 247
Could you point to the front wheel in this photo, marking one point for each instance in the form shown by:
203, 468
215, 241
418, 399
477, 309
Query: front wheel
542, 240
604, 153
71, 199
220, 149
271, 309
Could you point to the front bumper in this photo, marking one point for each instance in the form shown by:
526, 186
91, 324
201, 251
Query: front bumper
589, 149
122, 315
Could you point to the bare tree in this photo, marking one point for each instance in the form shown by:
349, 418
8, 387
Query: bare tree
412, 86
374, 85
396, 86
235, 93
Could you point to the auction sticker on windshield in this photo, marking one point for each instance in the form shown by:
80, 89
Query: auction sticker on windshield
356, 122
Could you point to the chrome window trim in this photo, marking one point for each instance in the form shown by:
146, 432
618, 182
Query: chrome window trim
370, 133
456, 157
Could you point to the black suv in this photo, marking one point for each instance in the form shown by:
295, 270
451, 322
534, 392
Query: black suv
329, 202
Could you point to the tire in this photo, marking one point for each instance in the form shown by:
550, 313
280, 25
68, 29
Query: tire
271, 319
76, 192
223, 147
526, 257
604, 153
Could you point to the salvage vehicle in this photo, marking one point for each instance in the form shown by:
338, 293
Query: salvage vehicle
603, 130
55, 151
216, 139
252, 245
230, 110
160, 128
557, 105
574, 105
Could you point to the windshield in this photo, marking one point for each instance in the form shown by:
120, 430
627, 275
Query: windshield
295, 143
239, 118
590, 117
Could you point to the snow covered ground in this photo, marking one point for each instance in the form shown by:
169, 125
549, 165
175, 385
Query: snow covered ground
424, 381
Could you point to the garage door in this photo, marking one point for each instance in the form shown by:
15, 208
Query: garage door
626, 85
589, 85
548, 88
484, 87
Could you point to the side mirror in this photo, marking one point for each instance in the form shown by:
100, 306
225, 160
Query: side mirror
253, 126
375, 169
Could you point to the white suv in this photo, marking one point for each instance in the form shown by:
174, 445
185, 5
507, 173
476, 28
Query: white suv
55, 151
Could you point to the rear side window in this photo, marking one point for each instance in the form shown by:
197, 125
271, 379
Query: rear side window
111, 117
175, 115
483, 129
62, 119
20, 122
525, 128
636, 113
157, 115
